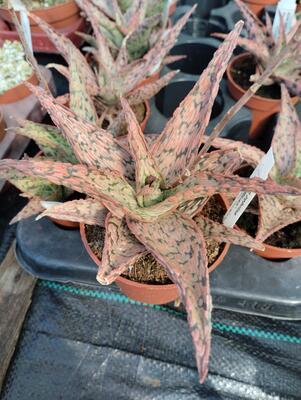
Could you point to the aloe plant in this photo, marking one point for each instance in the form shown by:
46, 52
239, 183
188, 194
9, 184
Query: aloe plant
95, 91
262, 44
148, 194
142, 22
276, 212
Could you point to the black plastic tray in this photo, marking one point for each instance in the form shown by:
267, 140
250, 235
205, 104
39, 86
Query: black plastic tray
244, 282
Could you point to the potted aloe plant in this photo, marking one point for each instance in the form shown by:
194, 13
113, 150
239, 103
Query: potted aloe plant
58, 13
14, 72
257, 6
147, 193
244, 68
276, 220
112, 76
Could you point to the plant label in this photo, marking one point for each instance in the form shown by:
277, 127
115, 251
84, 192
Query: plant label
243, 199
19, 6
285, 13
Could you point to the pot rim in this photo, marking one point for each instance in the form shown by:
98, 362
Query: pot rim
33, 79
158, 287
242, 91
268, 247
42, 9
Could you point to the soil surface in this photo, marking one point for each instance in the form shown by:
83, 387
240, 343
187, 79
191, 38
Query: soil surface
147, 269
241, 73
288, 237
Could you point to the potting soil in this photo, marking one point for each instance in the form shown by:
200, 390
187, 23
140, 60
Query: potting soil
81, 342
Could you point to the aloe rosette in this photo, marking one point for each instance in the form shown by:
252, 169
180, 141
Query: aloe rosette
95, 91
142, 22
276, 212
148, 192
262, 44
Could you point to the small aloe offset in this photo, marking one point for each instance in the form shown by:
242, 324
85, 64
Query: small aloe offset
148, 195
95, 90
262, 44
142, 22
276, 212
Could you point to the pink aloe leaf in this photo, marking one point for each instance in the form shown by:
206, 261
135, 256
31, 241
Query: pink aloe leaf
171, 59
145, 165
145, 92
65, 47
92, 146
287, 139
221, 233
94, 15
220, 161
62, 69
121, 249
276, 212
80, 101
98, 184
178, 144
154, 57
33, 207
49, 140
178, 244
88, 211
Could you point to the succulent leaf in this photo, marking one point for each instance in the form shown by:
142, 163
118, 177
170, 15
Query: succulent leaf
178, 144
33, 207
49, 139
178, 244
92, 146
221, 233
88, 211
121, 248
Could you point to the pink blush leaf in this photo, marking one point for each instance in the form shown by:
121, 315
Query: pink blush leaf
33, 207
220, 233
121, 249
287, 136
178, 244
178, 144
92, 146
88, 211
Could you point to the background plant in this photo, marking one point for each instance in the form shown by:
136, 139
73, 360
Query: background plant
95, 91
261, 43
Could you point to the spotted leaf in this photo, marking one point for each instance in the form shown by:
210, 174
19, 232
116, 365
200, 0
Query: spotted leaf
121, 248
178, 144
33, 207
178, 244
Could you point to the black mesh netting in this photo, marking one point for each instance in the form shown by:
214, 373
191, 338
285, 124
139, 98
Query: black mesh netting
85, 343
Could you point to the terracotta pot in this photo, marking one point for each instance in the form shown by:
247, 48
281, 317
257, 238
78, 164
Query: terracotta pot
58, 16
145, 293
64, 224
2, 126
18, 92
257, 6
146, 116
172, 9
272, 252
262, 108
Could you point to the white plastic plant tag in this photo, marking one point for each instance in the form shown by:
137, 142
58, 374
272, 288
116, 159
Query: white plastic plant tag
287, 9
243, 199
19, 6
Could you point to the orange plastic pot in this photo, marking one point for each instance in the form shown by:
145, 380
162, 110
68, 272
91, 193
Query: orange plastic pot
257, 6
146, 293
18, 92
2, 126
272, 252
146, 116
59, 16
262, 108
64, 224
